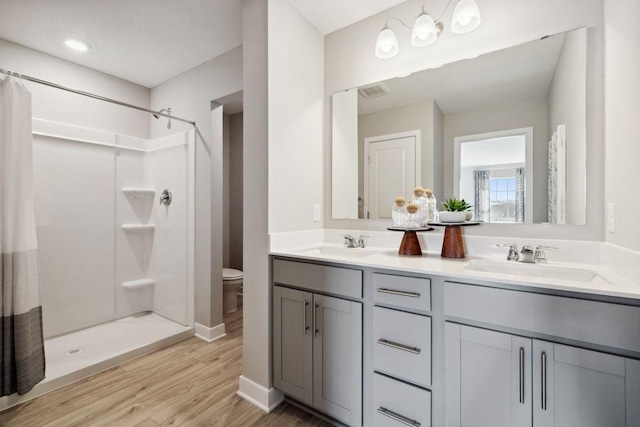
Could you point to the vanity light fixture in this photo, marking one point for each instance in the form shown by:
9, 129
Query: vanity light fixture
425, 30
77, 45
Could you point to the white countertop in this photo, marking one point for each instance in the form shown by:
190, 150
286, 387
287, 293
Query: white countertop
614, 284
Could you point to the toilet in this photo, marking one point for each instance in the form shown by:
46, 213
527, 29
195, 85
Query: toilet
231, 283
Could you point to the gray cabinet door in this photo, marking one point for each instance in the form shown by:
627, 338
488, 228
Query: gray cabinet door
574, 387
337, 354
292, 343
487, 378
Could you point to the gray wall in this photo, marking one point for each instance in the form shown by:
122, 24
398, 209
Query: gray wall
622, 36
283, 167
530, 113
418, 116
226, 184
190, 95
257, 295
64, 107
296, 77
566, 100
235, 207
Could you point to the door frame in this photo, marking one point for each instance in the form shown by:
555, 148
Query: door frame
418, 154
528, 167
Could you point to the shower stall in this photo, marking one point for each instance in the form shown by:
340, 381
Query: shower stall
116, 249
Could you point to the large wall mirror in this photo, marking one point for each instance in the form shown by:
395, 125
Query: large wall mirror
506, 131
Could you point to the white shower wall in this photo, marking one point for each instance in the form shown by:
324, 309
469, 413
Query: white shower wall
80, 210
74, 189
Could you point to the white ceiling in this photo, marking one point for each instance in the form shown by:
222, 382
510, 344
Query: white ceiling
144, 41
331, 15
509, 75
151, 41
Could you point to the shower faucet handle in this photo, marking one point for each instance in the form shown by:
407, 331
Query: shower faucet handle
166, 197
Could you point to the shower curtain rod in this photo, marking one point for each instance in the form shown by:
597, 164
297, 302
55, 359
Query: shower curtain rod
94, 96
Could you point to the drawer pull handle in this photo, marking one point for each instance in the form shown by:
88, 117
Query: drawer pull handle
544, 381
401, 293
521, 375
397, 417
304, 318
403, 347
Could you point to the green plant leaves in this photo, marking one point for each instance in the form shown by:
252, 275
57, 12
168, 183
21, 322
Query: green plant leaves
455, 205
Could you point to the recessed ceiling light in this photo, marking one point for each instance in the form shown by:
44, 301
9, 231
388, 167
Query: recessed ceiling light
76, 45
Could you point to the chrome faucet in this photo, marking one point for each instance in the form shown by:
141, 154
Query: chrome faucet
526, 255
540, 257
361, 241
513, 251
350, 241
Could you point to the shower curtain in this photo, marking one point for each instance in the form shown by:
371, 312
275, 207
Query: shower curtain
21, 344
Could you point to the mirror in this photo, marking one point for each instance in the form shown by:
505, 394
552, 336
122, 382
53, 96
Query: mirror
506, 131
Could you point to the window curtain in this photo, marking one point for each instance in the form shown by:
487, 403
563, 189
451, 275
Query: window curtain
556, 191
519, 194
22, 344
482, 202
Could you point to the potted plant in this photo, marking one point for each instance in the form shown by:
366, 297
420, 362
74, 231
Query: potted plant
455, 210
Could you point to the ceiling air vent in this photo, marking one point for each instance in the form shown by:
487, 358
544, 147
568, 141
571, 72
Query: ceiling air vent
375, 90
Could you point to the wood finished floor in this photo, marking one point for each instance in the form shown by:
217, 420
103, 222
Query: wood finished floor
191, 383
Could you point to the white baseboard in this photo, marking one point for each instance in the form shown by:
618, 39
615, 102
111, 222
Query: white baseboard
264, 398
210, 334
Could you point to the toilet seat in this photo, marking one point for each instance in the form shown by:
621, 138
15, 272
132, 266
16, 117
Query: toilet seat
231, 274
231, 284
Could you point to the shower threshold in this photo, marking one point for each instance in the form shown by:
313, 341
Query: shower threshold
79, 354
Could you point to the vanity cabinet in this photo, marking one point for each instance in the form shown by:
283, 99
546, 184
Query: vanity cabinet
401, 350
497, 379
577, 387
487, 374
317, 340
370, 347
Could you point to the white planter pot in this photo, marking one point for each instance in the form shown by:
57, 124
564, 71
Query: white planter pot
446, 216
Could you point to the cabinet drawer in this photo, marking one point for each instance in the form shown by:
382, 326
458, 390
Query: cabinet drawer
399, 404
607, 324
402, 345
321, 278
401, 291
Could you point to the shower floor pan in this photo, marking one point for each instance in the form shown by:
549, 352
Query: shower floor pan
80, 354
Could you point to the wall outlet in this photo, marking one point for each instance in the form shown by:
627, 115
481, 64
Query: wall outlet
611, 218
316, 213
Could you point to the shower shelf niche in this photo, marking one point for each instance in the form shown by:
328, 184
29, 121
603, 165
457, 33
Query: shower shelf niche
139, 284
142, 193
139, 228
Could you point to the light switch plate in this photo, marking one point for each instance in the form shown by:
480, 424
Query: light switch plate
316, 213
611, 218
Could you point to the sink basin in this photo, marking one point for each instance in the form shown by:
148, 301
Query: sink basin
541, 271
340, 251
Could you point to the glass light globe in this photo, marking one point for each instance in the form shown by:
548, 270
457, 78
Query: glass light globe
424, 31
387, 44
466, 17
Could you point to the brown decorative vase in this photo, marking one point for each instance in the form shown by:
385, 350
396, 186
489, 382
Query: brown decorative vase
410, 244
452, 246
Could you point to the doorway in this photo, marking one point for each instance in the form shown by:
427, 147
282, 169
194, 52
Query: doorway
392, 169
